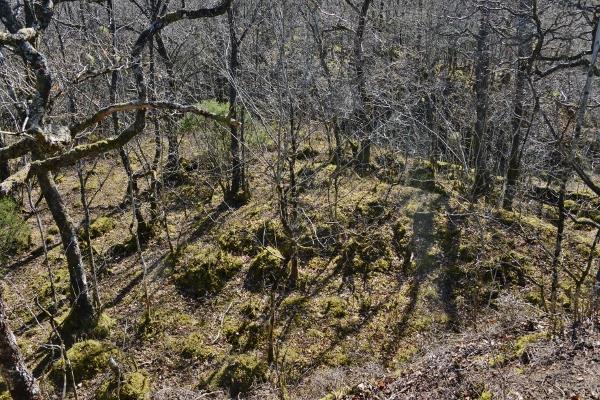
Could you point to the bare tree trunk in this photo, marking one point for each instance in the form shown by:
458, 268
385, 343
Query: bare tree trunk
364, 119
88, 238
558, 246
237, 183
524, 47
4, 168
83, 309
173, 157
587, 90
132, 183
21, 383
482, 72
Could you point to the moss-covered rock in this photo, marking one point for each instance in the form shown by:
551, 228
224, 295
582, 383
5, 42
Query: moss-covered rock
251, 309
87, 358
72, 327
101, 226
513, 219
334, 306
422, 176
239, 374
371, 211
266, 269
162, 322
367, 253
243, 335
252, 238
584, 224
133, 386
206, 271
103, 327
192, 347
238, 240
293, 304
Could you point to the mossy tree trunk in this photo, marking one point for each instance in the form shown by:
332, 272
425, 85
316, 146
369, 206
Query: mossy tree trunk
21, 383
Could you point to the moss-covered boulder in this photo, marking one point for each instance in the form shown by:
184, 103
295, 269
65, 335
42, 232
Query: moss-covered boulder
334, 306
371, 211
271, 233
244, 335
101, 226
206, 271
103, 327
87, 359
251, 238
266, 269
192, 347
239, 374
365, 254
133, 386
238, 240
296, 303
422, 176
164, 321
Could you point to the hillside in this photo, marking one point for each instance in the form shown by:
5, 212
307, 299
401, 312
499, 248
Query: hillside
399, 280
298, 200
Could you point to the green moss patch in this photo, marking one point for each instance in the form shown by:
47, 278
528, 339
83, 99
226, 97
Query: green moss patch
192, 347
206, 272
101, 226
87, 358
252, 238
364, 254
266, 269
245, 335
240, 373
15, 234
334, 306
164, 321
133, 386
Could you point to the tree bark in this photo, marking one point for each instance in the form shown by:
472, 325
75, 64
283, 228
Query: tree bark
173, 157
4, 168
83, 309
524, 47
362, 99
558, 245
482, 72
21, 383
237, 185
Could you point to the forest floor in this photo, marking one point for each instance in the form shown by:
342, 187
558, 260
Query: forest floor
405, 291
